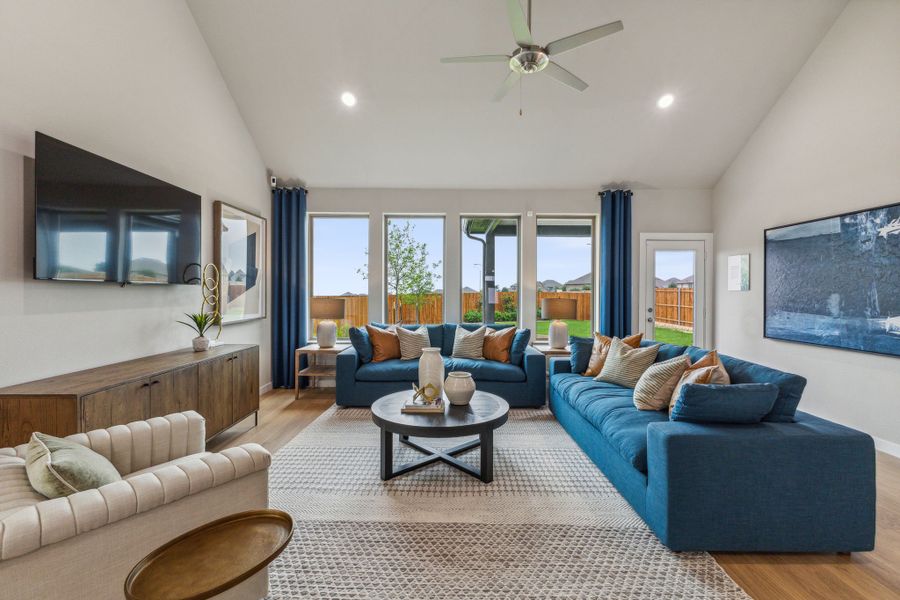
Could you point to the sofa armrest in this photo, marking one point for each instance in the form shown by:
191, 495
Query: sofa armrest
142, 444
51, 521
761, 487
560, 364
535, 364
346, 364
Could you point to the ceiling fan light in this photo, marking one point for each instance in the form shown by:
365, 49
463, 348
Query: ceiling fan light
348, 99
665, 101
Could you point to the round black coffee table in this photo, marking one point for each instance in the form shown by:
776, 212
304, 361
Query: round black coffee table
485, 413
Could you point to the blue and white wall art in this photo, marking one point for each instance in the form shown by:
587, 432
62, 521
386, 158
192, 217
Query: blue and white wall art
836, 281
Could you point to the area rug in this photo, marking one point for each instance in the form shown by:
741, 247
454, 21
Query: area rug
549, 526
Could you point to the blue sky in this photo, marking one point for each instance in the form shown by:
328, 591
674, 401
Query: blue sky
674, 263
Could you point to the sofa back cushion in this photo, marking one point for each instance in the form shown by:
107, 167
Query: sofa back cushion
385, 344
359, 339
790, 386
580, 353
498, 343
516, 351
741, 403
666, 351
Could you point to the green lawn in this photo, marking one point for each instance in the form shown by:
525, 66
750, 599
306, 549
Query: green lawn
577, 328
673, 336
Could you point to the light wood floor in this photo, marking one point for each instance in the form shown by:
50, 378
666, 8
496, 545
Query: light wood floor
869, 575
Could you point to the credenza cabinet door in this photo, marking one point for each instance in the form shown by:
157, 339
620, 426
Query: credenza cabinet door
162, 394
216, 393
187, 388
246, 382
117, 405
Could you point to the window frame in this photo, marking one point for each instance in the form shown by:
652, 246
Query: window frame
595, 262
310, 259
519, 244
385, 292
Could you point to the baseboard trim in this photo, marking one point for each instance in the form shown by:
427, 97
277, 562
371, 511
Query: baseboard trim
265, 388
887, 447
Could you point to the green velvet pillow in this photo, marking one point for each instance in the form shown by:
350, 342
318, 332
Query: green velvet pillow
58, 467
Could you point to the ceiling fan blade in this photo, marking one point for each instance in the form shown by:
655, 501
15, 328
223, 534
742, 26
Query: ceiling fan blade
510, 81
558, 73
476, 59
519, 23
585, 37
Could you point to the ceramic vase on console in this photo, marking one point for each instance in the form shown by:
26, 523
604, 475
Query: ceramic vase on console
201, 343
459, 387
431, 369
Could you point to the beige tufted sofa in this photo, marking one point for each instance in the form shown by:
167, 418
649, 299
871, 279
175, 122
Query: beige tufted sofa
83, 546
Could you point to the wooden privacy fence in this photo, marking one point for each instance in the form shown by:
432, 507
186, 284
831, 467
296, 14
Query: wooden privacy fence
675, 306
356, 308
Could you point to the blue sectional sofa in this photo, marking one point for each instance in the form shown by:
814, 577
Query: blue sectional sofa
522, 382
797, 483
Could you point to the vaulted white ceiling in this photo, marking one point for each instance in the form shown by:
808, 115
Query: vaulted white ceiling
423, 124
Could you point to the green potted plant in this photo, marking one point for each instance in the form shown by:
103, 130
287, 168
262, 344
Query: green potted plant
201, 323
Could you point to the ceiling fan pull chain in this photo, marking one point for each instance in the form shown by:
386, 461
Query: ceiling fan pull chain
520, 97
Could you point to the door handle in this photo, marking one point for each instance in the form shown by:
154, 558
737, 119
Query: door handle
154, 382
143, 385
649, 319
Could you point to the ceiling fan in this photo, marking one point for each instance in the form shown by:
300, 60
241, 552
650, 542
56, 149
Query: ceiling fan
530, 58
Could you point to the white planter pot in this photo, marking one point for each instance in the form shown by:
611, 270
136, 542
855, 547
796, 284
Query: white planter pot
459, 387
201, 343
431, 369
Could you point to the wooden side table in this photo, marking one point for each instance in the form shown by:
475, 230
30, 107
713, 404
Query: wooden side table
314, 369
546, 350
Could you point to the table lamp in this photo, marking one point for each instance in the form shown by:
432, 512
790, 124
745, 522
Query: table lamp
326, 309
556, 309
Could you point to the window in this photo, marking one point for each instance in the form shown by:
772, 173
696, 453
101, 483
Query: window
490, 269
414, 260
565, 269
338, 267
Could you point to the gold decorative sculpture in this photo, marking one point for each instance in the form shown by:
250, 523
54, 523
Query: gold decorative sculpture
428, 393
210, 290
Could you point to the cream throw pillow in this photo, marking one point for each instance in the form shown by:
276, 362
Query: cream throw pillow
469, 344
702, 375
601, 349
57, 467
653, 390
624, 365
412, 342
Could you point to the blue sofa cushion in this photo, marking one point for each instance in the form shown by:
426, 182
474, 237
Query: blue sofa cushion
666, 351
394, 369
738, 403
517, 349
790, 386
580, 357
359, 338
610, 409
487, 370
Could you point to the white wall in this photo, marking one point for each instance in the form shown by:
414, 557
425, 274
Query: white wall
831, 144
685, 211
135, 82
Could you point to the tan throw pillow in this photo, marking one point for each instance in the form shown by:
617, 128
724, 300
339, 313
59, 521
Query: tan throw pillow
469, 344
385, 344
601, 349
653, 390
412, 342
720, 375
497, 344
58, 467
702, 375
624, 365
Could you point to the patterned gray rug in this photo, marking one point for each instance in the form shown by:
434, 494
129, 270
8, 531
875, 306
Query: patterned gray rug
549, 526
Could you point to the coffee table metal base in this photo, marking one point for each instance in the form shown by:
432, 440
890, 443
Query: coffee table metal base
485, 441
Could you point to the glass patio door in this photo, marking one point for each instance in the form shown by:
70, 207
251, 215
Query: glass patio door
674, 291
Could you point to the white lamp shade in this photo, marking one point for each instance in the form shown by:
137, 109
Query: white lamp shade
559, 308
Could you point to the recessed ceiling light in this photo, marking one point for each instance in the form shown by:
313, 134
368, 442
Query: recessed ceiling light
348, 99
665, 101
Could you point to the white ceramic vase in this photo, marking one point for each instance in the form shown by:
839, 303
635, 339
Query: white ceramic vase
326, 334
558, 334
459, 387
431, 369
201, 343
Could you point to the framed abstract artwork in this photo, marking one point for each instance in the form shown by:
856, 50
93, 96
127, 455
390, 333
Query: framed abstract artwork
835, 281
239, 251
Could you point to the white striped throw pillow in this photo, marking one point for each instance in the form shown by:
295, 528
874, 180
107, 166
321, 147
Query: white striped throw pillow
654, 389
469, 344
412, 342
624, 365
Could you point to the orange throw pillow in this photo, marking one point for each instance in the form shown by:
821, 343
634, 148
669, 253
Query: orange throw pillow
719, 375
601, 350
497, 344
700, 375
385, 344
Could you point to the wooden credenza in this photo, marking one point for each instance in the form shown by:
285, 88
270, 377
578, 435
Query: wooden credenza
222, 384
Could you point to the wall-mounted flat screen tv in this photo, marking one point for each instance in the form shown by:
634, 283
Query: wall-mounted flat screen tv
97, 220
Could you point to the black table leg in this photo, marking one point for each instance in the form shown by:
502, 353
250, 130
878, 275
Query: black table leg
387, 454
487, 456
